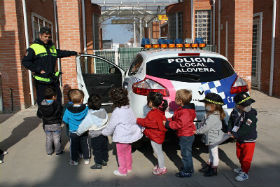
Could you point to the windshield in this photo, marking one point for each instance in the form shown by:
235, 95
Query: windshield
190, 69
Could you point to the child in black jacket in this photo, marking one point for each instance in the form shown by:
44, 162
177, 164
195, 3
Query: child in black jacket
51, 113
242, 126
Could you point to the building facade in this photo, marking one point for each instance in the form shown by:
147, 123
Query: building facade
180, 22
15, 85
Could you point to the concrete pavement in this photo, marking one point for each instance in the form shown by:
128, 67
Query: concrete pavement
28, 165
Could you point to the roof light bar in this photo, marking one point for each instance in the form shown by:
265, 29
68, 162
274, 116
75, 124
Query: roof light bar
178, 43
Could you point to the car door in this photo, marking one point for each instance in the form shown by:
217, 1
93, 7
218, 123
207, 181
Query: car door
97, 75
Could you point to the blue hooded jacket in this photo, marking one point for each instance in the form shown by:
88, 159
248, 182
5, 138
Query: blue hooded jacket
74, 115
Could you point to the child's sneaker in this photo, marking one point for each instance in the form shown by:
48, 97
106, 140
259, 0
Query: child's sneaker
155, 168
104, 163
59, 153
116, 172
237, 170
160, 171
96, 166
242, 176
73, 163
182, 174
86, 161
4, 153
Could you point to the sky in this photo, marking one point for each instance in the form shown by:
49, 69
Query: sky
120, 33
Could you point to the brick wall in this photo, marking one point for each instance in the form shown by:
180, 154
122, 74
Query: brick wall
70, 38
243, 29
276, 85
10, 55
239, 14
227, 16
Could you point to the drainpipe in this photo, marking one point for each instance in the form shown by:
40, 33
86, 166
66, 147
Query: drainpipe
219, 27
27, 46
84, 33
192, 19
272, 48
134, 31
56, 32
214, 22
84, 26
57, 45
141, 33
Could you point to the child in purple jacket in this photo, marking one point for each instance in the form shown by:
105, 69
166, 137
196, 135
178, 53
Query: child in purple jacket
124, 129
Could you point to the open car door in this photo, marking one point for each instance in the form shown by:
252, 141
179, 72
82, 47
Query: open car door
97, 75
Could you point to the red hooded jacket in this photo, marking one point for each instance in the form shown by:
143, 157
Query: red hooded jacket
182, 120
153, 123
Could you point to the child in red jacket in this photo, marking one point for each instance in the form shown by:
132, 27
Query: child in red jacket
182, 121
154, 128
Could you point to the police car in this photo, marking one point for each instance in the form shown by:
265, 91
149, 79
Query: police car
166, 71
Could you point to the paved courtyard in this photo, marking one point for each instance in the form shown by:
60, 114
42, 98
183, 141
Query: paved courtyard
28, 165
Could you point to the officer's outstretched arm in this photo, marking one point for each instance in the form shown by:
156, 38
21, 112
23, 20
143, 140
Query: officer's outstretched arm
64, 53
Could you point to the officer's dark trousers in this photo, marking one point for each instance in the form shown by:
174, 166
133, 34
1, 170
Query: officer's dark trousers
40, 91
78, 143
99, 146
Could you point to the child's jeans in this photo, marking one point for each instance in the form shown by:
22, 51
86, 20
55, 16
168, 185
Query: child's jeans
186, 143
214, 155
158, 150
99, 146
245, 152
124, 157
53, 135
78, 143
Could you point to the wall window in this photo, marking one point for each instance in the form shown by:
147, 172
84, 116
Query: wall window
203, 25
172, 26
175, 26
180, 25
38, 22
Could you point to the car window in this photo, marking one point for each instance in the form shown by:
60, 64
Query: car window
137, 62
90, 65
190, 69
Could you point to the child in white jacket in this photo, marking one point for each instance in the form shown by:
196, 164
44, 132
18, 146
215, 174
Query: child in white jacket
211, 127
124, 129
94, 122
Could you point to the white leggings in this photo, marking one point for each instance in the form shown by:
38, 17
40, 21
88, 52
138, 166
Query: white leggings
214, 155
158, 150
214, 151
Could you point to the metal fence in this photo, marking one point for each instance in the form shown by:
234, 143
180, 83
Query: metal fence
120, 56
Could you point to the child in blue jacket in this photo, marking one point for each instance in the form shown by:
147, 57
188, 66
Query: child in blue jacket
74, 115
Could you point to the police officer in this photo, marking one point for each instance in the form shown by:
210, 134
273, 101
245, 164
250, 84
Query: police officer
41, 59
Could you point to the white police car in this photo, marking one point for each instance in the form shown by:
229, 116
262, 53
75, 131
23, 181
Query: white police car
166, 71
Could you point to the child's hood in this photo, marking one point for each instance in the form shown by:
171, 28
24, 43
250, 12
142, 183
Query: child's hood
48, 108
101, 113
78, 113
102, 119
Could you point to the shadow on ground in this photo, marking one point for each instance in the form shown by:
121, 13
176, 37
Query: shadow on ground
20, 132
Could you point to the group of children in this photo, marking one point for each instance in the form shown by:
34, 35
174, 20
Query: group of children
91, 120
